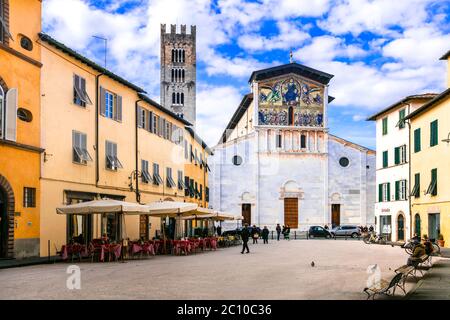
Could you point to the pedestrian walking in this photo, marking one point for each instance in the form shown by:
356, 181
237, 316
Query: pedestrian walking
219, 230
255, 234
245, 235
278, 229
287, 232
265, 235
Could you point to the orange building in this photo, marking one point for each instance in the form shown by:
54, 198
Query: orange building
20, 65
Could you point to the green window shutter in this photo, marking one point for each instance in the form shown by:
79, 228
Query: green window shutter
401, 117
388, 191
385, 126
385, 159
433, 133
380, 192
434, 179
417, 185
417, 146
397, 190
397, 155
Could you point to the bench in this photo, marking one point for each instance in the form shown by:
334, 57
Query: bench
385, 287
405, 271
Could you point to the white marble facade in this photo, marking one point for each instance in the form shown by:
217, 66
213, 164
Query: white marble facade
273, 168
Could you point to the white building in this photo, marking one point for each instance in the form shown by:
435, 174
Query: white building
392, 209
277, 162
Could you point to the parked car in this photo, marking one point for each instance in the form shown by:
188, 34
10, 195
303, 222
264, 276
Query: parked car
319, 232
235, 232
346, 231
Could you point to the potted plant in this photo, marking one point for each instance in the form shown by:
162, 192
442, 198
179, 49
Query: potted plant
440, 240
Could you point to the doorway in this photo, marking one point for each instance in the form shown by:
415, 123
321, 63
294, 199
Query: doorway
247, 213
291, 212
3, 224
400, 228
434, 227
335, 215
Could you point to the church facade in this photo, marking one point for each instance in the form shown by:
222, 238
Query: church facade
276, 161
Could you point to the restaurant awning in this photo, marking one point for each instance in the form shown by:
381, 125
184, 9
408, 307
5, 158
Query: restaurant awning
216, 216
170, 208
103, 206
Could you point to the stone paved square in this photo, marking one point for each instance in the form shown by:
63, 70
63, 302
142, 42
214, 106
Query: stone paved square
279, 270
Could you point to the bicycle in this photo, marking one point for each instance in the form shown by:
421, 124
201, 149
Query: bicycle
373, 238
410, 245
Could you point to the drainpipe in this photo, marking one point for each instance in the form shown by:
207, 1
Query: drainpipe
97, 111
409, 170
138, 198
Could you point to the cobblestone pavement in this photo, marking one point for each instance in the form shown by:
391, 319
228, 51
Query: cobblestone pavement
279, 270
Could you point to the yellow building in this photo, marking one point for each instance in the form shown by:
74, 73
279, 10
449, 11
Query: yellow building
196, 174
103, 138
20, 65
430, 168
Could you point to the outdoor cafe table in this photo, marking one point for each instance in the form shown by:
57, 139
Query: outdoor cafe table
146, 247
178, 245
115, 249
74, 249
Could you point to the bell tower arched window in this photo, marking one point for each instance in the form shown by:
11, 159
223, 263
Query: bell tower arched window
173, 98
291, 116
182, 98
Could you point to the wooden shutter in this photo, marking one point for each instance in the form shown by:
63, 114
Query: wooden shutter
380, 192
417, 142
397, 155
139, 115
149, 121
118, 110
102, 101
388, 191
434, 133
11, 115
397, 190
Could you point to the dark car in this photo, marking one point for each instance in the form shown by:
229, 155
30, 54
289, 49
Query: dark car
319, 232
235, 232
346, 231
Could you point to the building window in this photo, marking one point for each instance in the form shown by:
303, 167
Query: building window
291, 116
237, 160
142, 118
302, 141
157, 180
417, 143
344, 162
279, 140
182, 99
385, 159
112, 161
191, 152
416, 189
207, 194
4, 31
432, 188
187, 189
385, 126
200, 195
400, 190
417, 228
191, 188
24, 115
26, 43
29, 197
146, 177
384, 191
110, 105
80, 96
186, 151
196, 190
434, 133
2, 108
401, 118
79, 145
169, 180
155, 126
400, 154
181, 185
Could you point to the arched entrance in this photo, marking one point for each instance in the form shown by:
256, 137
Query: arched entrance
290, 194
6, 219
400, 227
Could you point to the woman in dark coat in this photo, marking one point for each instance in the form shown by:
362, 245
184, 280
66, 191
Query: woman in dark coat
255, 234
265, 234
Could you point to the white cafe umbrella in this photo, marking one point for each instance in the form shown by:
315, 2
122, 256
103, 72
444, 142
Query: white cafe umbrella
170, 208
103, 206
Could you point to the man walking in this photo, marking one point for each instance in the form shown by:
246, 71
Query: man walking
245, 235
278, 228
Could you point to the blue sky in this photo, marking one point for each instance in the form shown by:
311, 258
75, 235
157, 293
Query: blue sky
379, 50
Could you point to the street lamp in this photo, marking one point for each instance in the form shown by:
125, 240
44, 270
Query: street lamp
448, 138
135, 175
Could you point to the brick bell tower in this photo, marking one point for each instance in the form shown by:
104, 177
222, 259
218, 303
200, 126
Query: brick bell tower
178, 71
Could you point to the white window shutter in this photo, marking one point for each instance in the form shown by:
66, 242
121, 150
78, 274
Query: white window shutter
11, 115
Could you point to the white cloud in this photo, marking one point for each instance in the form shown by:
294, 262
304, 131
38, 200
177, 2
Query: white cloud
215, 106
289, 36
376, 16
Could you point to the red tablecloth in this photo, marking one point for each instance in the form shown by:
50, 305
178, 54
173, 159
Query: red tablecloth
179, 245
74, 249
115, 249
